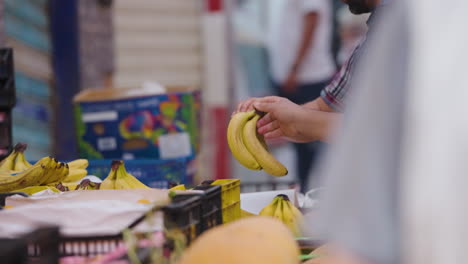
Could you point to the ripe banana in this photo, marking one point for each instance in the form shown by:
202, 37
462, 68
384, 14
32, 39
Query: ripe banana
278, 214
109, 181
78, 164
125, 180
87, 185
269, 210
119, 178
16, 160
282, 209
291, 218
35, 189
29, 177
21, 163
8, 163
75, 175
260, 153
236, 140
50, 165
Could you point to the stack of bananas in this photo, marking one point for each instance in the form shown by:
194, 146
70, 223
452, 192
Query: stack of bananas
18, 175
248, 147
119, 178
282, 209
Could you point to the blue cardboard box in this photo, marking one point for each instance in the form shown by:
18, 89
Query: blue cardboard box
137, 124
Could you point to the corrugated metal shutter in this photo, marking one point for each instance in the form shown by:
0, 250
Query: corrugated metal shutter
158, 40
27, 31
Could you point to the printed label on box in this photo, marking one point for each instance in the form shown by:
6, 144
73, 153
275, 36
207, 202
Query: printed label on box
107, 143
174, 145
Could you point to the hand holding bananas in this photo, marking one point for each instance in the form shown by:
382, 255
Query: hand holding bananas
248, 147
285, 211
297, 123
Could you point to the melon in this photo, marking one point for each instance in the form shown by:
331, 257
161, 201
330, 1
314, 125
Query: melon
255, 240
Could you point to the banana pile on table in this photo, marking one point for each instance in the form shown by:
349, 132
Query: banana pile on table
18, 175
119, 178
249, 147
282, 209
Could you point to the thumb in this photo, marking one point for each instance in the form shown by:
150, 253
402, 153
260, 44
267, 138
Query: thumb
263, 107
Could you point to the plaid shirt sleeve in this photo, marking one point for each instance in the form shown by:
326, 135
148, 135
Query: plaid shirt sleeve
335, 92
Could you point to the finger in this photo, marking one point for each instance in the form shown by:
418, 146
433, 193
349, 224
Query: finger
269, 99
274, 134
265, 120
264, 107
272, 126
247, 105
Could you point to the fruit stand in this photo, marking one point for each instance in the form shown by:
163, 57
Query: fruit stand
186, 211
145, 206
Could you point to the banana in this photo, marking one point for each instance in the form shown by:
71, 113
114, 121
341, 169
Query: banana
29, 177
8, 163
51, 165
269, 210
278, 214
70, 185
236, 140
78, 164
109, 181
291, 219
63, 172
125, 180
260, 153
75, 175
35, 189
21, 163
87, 185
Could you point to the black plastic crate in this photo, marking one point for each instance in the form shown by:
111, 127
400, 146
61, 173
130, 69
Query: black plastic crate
184, 213
45, 241
212, 214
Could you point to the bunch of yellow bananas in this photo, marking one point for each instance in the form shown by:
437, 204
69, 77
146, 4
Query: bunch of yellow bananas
282, 209
46, 172
248, 147
119, 178
77, 170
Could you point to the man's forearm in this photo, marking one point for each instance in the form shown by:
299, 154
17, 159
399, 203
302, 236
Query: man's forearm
318, 104
317, 125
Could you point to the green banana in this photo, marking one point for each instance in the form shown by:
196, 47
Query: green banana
236, 140
268, 163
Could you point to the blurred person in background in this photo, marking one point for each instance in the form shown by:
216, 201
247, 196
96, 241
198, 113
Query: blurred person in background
301, 60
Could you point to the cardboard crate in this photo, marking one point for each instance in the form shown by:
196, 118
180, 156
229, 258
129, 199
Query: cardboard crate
136, 123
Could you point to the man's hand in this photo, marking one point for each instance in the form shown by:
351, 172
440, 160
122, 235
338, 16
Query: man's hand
284, 119
247, 105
